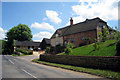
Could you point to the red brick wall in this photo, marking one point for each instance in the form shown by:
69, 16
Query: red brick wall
99, 62
78, 40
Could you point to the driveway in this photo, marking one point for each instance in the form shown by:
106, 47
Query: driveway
31, 57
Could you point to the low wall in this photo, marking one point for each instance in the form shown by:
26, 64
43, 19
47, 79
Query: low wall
99, 62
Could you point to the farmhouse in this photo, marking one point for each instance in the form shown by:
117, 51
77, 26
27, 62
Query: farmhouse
26, 44
77, 34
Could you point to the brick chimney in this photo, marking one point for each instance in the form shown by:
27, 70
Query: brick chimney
71, 21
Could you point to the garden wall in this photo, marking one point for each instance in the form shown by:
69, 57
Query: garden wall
99, 62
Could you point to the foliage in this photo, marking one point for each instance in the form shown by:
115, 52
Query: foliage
70, 45
20, 32
87, 40
59, 48
118, 48
68, 50
96, 45
104, 34
25, 52
47, 51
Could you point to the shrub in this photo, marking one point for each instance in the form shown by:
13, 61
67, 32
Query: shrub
47, 50
59, 49
26, 52
96, 45
118, 48
68, 50
70, 45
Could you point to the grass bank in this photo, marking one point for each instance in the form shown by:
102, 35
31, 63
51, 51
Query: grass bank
103, 73
107, 48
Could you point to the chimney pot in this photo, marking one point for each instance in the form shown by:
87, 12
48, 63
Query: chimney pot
71, 21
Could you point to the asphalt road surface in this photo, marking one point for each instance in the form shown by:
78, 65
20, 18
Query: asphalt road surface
13, 67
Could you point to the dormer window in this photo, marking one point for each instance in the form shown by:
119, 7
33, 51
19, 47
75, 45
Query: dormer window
56, 35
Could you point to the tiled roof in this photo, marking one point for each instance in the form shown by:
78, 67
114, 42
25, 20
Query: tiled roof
47, 40
88, 24
26, 43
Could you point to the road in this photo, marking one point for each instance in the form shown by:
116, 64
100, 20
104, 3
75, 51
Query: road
13, 67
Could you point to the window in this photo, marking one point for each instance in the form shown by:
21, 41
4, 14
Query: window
57, 43
104, 26
28, 47
72, 40
56, 35
82, 38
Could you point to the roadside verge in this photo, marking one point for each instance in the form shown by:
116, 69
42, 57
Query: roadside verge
103, 73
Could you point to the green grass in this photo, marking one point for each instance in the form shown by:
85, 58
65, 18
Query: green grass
107, 48
103, 73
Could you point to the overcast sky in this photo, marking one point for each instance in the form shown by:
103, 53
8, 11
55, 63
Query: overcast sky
43, 18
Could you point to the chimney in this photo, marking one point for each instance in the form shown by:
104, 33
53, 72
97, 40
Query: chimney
71, 21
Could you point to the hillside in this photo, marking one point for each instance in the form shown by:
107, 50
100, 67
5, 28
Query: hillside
107, 48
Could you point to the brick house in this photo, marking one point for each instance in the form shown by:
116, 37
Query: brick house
78, 33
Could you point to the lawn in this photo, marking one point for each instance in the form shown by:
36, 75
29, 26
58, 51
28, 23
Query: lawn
107, 48
103, 73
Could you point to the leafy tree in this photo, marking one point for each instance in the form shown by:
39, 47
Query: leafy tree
20, 32
117, 35
104, 34
96, 45
68, 50
70, 45
118, 48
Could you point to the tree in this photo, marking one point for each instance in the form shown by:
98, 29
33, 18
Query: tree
68, 49
20, 32
104, 35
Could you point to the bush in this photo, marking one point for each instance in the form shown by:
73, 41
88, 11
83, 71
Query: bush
47, 51
96, 45
70, 45
68, 50
17, 53
26, 52
118, 48
59, 49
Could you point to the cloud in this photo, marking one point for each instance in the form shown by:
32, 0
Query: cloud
53, 16
105, 9
39, 36
43, 26
2, 33
44, 19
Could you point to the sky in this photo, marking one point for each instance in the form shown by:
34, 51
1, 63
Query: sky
43, 18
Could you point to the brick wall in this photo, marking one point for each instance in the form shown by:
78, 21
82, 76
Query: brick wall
112, 63
78, 37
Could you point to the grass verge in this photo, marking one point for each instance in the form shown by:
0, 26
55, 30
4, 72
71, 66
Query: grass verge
103, 73
107, 48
